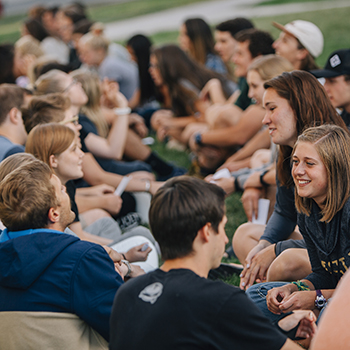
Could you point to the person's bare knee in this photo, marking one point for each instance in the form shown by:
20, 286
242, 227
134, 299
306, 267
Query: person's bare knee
246, 238
93, 215
290, 265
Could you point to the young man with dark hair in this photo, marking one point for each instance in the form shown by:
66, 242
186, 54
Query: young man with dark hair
337, 81
176, 307
12, 132
225, 36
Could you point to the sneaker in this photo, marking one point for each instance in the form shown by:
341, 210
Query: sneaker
225, 271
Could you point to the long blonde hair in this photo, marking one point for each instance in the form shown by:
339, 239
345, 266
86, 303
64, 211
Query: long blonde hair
92, 109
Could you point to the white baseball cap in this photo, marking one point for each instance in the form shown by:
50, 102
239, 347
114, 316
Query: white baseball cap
307, 33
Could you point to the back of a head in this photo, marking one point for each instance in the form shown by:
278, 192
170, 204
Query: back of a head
181, 207
13, 162
260, 42
26, 195
45, 109
233, 26
36, 29
269, 66
95, 40
48, 83
141, 46
11, 96
28, 45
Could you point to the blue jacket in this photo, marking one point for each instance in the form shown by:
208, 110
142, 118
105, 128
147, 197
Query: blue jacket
47, 270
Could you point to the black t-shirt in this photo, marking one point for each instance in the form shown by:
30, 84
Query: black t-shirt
87, 127
346, 117
70, 187
180, 310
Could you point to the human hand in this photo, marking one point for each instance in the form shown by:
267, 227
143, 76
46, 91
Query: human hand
138, 125
115, 256
159, 116
111, 97
257, 267
227, 184
112, 203
298, 301
136, 253
99, 190
276, 296
136, 271
306, 320
250, 201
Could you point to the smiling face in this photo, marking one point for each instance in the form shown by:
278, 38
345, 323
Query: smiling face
256, 86
279, 118
68, 164
309, 173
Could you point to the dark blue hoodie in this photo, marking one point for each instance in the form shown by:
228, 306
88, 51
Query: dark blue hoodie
46, 270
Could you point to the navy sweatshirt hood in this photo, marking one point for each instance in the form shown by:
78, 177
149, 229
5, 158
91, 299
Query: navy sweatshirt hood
24, 259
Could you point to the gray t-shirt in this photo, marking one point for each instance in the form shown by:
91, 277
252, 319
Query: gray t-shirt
123, 72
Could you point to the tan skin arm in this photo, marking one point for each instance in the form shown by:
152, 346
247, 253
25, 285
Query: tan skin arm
239, 134
113, 146
95, 175
259, 141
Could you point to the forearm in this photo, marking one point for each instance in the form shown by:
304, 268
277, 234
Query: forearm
117, 136
259, 141
85, 203
95, 175
239, 134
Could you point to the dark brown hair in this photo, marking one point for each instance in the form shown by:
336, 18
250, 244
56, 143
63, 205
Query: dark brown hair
181, 207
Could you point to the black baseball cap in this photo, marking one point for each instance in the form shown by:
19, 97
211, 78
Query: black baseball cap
337, 64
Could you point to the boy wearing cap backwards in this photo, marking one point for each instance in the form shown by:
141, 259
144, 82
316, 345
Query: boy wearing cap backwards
337, 81
300, 42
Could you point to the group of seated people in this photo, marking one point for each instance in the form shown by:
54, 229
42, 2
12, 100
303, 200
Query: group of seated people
78, 185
